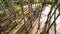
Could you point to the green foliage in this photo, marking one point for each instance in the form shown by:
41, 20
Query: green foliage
4, 3
25, 1
17, 9
16, 0
49, 0
35, 1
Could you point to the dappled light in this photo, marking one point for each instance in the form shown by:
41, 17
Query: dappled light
29, 16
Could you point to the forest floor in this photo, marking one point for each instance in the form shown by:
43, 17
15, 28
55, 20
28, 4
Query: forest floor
43, 19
